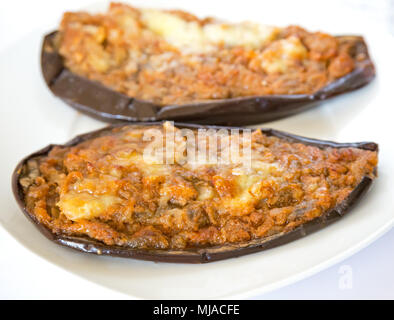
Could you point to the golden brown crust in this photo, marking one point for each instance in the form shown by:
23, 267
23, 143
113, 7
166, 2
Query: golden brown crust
119, 50
130, 203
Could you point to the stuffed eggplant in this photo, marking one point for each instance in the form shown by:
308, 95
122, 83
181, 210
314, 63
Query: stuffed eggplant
145, 65
143, 191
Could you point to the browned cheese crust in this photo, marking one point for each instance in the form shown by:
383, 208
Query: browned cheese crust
103, 188
173, 57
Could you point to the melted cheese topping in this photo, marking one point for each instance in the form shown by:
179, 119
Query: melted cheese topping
193, 37
283, 55
77, 206
88, 198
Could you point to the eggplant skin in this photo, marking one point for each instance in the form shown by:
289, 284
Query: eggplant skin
196, 255
103, 103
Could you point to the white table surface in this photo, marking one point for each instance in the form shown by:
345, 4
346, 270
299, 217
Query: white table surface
366, 275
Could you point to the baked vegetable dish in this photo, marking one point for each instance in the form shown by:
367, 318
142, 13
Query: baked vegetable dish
145, 64
102, 193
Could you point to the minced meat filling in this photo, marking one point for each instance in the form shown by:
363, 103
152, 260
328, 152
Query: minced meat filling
173, 57
105, 189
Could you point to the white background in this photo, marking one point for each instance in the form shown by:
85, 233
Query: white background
371, 269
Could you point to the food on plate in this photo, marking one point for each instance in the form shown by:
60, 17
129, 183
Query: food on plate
145, 64
144, 191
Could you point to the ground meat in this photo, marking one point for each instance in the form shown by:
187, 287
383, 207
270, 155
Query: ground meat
105, 189
145, 55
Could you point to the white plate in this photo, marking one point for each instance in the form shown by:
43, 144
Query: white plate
30, 118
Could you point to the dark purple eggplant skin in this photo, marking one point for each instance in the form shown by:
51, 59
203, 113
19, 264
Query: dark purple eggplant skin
196, 255
103, 103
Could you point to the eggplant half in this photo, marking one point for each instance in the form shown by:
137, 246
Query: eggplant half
201, 254
103, 103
